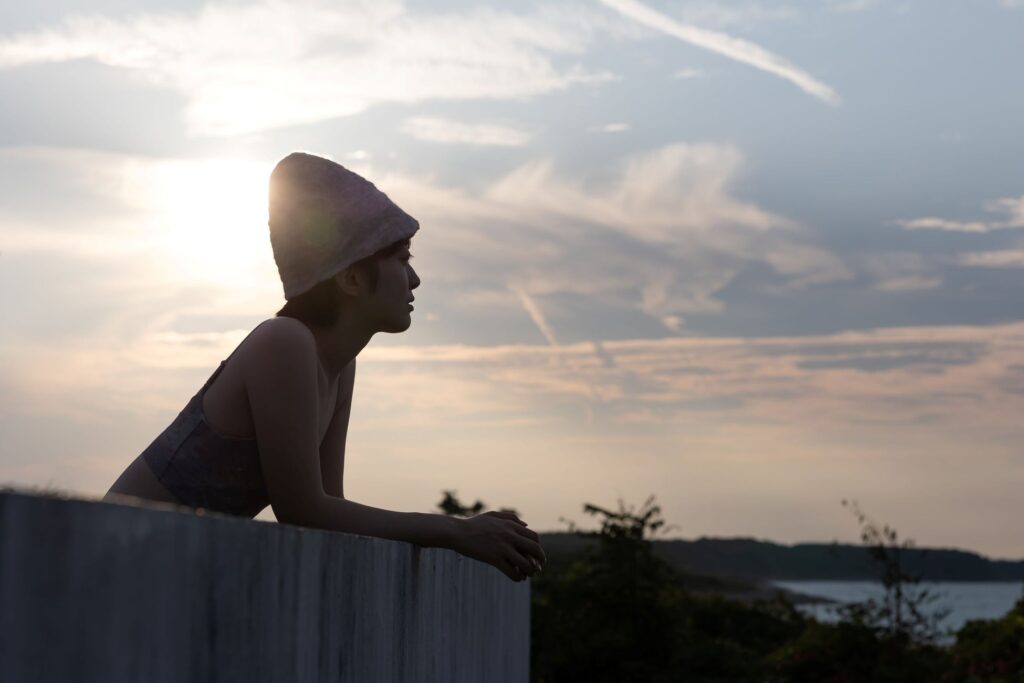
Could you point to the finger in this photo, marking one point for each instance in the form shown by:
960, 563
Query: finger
520, 562
528, 533
510, 516
530, 549
509, 570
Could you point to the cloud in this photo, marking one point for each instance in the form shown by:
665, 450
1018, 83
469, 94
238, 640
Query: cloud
618, 127
1009, 258
536, 316
890, 376
194, 220
664, 235
1011, 208
902, 272
910, 283
247, 68
446, 131
662, 196
687, 74
757, 420
932, 223
734, 48
658, 237
743, 13
851, 5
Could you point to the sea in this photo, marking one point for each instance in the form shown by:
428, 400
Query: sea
964, 600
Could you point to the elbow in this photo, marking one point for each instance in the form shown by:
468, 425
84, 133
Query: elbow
307, 515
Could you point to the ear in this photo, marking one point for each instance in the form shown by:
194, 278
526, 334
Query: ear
352, 281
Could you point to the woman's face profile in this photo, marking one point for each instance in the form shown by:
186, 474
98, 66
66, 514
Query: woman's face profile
393, 296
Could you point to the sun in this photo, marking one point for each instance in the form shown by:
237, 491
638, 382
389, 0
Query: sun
211, 218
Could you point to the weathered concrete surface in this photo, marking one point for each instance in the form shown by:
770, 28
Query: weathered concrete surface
93, 591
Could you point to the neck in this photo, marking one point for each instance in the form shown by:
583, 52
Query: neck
339, 344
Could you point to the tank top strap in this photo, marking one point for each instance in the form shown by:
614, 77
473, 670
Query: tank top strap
225, 362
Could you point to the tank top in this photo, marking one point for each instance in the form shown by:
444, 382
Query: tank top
203, 469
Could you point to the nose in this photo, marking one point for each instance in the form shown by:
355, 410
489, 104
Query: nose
414, 279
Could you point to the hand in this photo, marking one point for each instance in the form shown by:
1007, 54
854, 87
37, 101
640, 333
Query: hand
501, 539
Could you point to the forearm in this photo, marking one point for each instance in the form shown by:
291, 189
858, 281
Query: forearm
338, 514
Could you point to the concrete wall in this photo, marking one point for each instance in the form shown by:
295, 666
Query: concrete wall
93, 591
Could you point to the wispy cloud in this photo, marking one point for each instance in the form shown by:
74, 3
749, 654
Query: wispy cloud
665, 235
734, 48
932, 223
851, 5
662, 234
617, 127
1008, 258
902, 272
891, 376
743, 13
446, 131
1011, 208
533, 310
688, 74
328, 59
663, 195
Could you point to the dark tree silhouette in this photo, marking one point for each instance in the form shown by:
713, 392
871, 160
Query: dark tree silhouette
906, 607
452, 506
615, 612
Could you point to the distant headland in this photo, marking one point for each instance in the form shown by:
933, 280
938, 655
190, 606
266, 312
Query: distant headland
756, 560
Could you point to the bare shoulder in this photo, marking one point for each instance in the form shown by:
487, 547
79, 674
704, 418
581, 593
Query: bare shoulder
277, 363
280, 369
277, 341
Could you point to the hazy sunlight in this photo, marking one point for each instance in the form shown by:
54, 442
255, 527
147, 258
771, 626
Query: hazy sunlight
211, 217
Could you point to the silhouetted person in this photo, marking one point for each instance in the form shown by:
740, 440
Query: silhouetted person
268, 427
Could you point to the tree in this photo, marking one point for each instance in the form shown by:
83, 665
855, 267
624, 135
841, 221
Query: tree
617, 612
907, 608
990, 650
452, 506
609, 616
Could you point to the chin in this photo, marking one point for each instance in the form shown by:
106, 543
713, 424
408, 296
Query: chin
396, 326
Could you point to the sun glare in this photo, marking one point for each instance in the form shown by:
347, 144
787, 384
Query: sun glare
212, 218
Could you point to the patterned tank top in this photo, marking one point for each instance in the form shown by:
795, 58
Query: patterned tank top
203, 469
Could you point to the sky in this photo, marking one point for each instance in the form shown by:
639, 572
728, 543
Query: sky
753, 258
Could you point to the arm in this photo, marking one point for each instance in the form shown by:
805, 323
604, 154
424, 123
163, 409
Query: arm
498, 538
412, 527
332, 450
281, 385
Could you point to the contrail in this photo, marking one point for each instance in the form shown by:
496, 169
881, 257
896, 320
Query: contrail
734, 48
538, 318
533, 310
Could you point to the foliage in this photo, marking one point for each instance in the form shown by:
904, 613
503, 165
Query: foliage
615, 611
990, 650
609, 615
452, 506
907, 607
619, 613
850, 651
